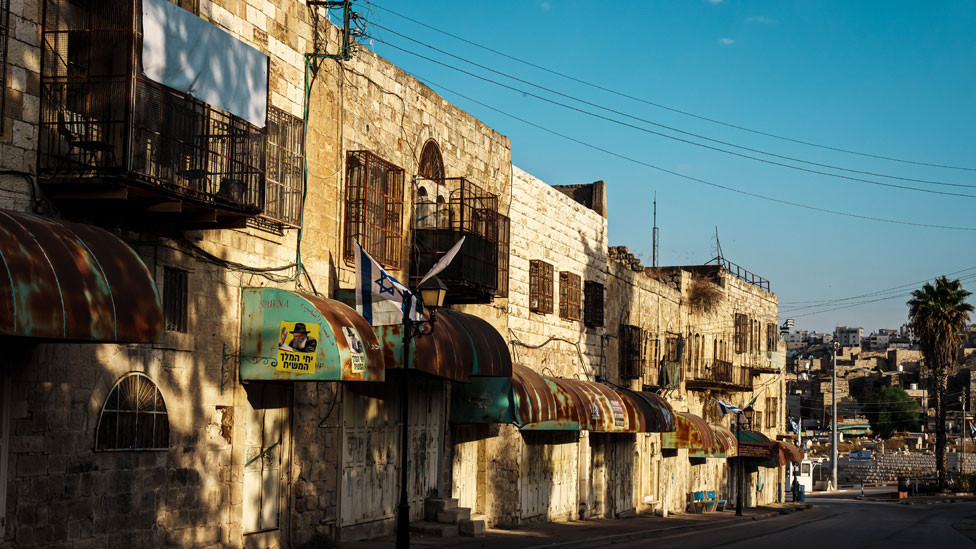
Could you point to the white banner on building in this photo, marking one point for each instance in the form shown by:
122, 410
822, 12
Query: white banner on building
188, 54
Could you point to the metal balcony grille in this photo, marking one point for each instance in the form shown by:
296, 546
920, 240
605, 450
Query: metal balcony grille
374, 208
593, 303
101, 119
540, 287
569, 295
448, 209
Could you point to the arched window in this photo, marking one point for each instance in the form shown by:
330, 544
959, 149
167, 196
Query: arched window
431, 163
133, 417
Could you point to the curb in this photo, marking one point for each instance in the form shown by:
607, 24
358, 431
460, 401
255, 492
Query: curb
644, 534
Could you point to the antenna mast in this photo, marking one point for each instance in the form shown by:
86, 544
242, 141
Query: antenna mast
718, 244
655, 233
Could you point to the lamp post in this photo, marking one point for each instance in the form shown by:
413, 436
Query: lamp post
432, 294
833, 421
744, 417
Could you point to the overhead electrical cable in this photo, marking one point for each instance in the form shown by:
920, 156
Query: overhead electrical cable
674, 138
672, 109
665, 126
688, 177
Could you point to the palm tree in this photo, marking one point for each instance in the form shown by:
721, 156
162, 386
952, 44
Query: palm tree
938, 316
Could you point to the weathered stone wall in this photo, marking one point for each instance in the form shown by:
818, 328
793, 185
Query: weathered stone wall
888, 467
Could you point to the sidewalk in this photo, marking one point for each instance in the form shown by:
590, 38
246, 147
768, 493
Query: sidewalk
586, 533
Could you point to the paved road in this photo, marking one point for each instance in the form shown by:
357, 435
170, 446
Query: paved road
841, 521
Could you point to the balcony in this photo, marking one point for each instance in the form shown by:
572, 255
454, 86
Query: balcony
447, 210
719, 374
767, 362
113, 143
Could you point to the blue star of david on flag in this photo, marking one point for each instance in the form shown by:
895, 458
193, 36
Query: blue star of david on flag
384, 279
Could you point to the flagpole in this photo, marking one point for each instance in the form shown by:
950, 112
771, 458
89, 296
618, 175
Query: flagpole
403, 509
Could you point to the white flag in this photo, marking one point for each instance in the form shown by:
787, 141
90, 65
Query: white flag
443, 262
380, 297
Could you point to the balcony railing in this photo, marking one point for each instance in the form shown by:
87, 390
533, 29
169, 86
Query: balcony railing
103, 122
740, 273
453, 208
719, 374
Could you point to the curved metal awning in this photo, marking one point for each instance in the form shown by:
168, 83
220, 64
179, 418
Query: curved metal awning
694, 434
459, 346
69, 281
789, 452
654, 413
726, 441
527, 399
345, 348
601, 408
753, 444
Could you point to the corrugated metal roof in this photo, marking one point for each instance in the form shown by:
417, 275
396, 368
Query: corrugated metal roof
71, 281
693, 433
541, 404
655, 414
789, 452
346, 349
726, 441
601, 408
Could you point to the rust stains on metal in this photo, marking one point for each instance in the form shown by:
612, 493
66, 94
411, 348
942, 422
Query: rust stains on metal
789, 452
541, 404
726, 441
75, 282
491, 354
693, 433
601, 408
654, 414
339, 316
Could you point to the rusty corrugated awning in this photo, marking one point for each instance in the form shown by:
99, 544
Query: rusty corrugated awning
460, 346
343, 348
527, 399
789, 452
70, 281
654, 414
753, 444
726, 440
601, 409
693, 433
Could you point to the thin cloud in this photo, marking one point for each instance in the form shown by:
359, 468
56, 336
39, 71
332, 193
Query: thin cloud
715, 1
726, 41
760, 20
546, 6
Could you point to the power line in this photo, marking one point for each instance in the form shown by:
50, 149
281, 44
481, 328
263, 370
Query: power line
672, 109
673, 138
688, 177
653, 123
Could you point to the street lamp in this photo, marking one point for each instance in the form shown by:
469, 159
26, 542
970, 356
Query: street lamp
432, 293
743, 417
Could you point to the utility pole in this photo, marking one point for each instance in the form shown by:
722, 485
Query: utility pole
833, 423
655, 234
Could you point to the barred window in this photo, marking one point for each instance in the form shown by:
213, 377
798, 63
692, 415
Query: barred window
772, 336
133, 417
592, 303
540, 286
175, 295
374, 208
741, 333
632, 351
4, 32
503, 250
285, 168
569, 295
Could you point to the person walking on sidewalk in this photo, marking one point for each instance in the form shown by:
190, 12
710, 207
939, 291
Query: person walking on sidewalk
795, 489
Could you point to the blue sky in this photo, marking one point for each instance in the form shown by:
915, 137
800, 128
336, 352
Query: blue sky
896, 79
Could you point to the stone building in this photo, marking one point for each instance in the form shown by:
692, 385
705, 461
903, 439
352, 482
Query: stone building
173, 249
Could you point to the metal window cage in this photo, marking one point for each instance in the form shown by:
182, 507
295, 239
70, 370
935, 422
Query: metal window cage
374, 208
593, 303
632, 351
101, 118
569, 295
540, 286
285, 173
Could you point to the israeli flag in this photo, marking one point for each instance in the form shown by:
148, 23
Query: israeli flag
727, 408
380, 298
796, 428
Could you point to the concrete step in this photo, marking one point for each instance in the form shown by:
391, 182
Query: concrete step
453, 516
433, 529
433, 506
474, 528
